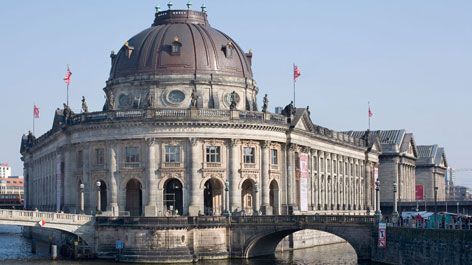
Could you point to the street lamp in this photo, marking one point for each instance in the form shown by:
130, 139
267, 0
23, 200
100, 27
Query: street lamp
98, 197
256, 189
436, 206
378, 213
82, 186
395, 212
226, 211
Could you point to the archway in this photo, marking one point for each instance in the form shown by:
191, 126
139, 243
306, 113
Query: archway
134, 198
247, 197
266, 243
274, 197
173, 196
213, 197
103, 195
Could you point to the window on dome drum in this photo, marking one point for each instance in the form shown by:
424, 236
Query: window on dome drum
132, 154
213, 154
274, 160
79, 160
228, 49
99, 156
175, 47
172, 154
249, 155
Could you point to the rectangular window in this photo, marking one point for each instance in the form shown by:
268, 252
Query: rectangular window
315, 164
172, 153
352, 169
322, 164
274, 160
213, 154
334, 166
345, 168
99, 156
329, 165
249, 155
132, 154
80, 160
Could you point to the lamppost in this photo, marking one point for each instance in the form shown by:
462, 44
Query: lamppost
226, 212
255, 199
436, 206
395, 212
378, 213
98, 197
82, 186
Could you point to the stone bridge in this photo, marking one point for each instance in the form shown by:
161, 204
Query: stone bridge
77, 224
254, 236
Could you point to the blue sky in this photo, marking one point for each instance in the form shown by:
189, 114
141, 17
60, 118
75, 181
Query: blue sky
411, 59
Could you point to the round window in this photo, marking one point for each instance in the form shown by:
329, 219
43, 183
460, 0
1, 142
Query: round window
176, 96
123, 101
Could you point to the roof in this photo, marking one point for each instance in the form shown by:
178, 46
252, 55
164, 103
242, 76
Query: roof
385, 137
203, 49
432, 153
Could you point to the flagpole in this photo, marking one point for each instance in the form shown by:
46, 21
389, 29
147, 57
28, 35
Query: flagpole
368, 104
33, 116
294, 87
67, 88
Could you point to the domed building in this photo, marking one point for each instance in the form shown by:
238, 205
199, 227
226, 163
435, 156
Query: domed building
180, 133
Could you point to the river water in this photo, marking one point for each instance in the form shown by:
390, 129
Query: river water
16, 250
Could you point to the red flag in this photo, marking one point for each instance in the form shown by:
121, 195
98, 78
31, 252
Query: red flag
36, 112
296, 73
67, 78
370, 113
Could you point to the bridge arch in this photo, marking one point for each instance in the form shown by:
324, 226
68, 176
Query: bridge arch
265, 243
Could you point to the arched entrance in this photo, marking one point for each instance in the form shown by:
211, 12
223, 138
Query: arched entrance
134, 198
213, 197
247, 196
173, 197
274, 197
103, 195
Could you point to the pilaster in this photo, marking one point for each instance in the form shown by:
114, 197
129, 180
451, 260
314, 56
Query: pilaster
265, 206
195, 206
151, 178
235, 195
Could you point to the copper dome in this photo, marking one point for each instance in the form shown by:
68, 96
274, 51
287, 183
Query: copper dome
202, 49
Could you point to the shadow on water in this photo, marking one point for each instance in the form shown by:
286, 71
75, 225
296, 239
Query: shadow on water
16, 250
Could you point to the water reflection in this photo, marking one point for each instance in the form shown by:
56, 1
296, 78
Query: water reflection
15, 250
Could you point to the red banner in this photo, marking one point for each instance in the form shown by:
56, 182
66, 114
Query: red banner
419, 192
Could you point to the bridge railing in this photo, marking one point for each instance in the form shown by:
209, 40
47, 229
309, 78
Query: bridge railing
46, 216
279, 219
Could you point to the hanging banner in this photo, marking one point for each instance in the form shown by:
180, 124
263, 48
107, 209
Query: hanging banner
376, 174
58, 183
382, 235
303, 182
419, 192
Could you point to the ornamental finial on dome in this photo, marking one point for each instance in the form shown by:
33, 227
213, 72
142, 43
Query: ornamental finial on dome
158, 9
170, 5
189, 5
204, 8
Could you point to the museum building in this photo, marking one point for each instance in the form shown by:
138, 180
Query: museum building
181, 133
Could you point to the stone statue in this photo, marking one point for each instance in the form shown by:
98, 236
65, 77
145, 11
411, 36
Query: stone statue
289, 110
308, 110
233, 100
110, 102
266, 104
137, 102
149, 100
84, 105
194, 98
67, 113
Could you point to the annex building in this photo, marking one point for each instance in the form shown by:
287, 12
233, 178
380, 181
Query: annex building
181, 133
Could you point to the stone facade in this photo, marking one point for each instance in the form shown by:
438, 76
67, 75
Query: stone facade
397, 164
431, 171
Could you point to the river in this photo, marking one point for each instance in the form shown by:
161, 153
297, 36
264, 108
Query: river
16, 250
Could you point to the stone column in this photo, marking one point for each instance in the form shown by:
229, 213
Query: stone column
195, 191
265, 191
368, 186
113, 177
67, 178
85, 173
234, 177
291, 178
150, 174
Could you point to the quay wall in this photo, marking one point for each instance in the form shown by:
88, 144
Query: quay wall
424, 246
